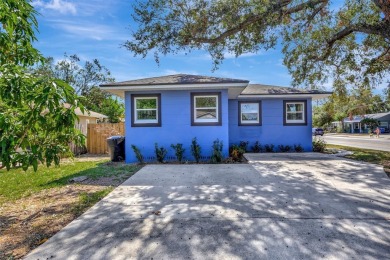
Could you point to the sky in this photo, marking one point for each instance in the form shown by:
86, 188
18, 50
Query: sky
97, 29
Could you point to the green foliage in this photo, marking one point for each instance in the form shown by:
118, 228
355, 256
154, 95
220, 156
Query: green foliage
87, 200
298, 148
244, 145
370, 122
319, 145
34, 125
179, 151
113, 109
196, 150
284, 148
217, 156
16, 183
138, 154
85, 79
257, 147
269, 148
236, 153
160, 152
348, 42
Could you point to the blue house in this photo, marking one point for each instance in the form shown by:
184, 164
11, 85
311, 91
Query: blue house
176, 108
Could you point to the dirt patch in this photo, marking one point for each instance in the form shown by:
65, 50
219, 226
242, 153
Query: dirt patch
29, 222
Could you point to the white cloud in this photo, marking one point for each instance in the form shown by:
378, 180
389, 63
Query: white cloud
61, 6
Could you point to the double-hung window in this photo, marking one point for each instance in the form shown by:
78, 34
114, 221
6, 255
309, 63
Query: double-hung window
295, 112
249, 113
146, 110
206, 109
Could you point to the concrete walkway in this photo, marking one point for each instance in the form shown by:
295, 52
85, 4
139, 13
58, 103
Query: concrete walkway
280, 206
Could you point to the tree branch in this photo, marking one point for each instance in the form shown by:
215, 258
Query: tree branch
277, 7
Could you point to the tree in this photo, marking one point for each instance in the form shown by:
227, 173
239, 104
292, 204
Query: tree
370, 122
320, 41
113, 109
34, 126
85, 79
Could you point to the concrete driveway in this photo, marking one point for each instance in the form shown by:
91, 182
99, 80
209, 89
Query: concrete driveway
280, 206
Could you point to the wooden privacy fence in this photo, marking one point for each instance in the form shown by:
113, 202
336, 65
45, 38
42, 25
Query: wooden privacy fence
97, 136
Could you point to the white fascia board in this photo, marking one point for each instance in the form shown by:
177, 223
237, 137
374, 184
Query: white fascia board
176, 87
292, 96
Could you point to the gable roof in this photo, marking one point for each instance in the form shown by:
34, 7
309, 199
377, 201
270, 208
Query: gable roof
87, 113
377, 116
237, 88
178, 79
260, 89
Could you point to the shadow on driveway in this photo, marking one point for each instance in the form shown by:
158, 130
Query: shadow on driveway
279, 206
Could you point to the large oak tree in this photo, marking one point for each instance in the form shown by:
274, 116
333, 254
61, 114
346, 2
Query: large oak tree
347, 41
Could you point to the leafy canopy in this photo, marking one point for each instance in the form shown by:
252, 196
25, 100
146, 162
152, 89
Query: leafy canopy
85, 78
349, 42
34, 125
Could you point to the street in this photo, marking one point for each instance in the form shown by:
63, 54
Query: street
358, 141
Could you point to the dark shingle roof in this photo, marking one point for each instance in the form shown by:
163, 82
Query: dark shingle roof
260, 89
177, 79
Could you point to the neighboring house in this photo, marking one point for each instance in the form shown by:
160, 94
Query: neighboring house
174, 109
88, 117
353, 125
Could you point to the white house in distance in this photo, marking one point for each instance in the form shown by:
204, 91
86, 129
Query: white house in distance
88, 117
353, 125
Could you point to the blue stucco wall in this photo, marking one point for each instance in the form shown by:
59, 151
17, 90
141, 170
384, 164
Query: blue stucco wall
175, 127
272, 130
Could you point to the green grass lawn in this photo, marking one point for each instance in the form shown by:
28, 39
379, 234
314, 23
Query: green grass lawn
16, 183
366, 155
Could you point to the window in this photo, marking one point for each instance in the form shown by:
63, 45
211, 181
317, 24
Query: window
206, 109
249, 113
295, 112
146, 110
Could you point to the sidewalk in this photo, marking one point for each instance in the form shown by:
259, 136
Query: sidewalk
360, 136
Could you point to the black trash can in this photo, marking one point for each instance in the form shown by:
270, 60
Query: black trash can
116, 148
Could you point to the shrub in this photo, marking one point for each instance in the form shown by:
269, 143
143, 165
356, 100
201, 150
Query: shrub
179, 151
236, 153
217, 156
244, 145
298, 148
269, 148
138, 154
196, 150
319, 145
284, 148
257, 148
161, 152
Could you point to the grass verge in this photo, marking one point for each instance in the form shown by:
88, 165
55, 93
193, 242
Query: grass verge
36, 205
366, 155
16, 183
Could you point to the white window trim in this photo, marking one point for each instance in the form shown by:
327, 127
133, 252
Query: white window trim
145, 121
216, 110
302, 121
243, 122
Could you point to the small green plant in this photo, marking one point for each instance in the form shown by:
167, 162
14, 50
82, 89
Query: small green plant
161, 152
217, 156
138, 154
319, 145
298, 148
284, 148
195, 150
244, 145
236, 153
257, 147
179, 151
269, 148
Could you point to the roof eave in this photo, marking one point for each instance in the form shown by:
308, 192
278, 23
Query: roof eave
314, 96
